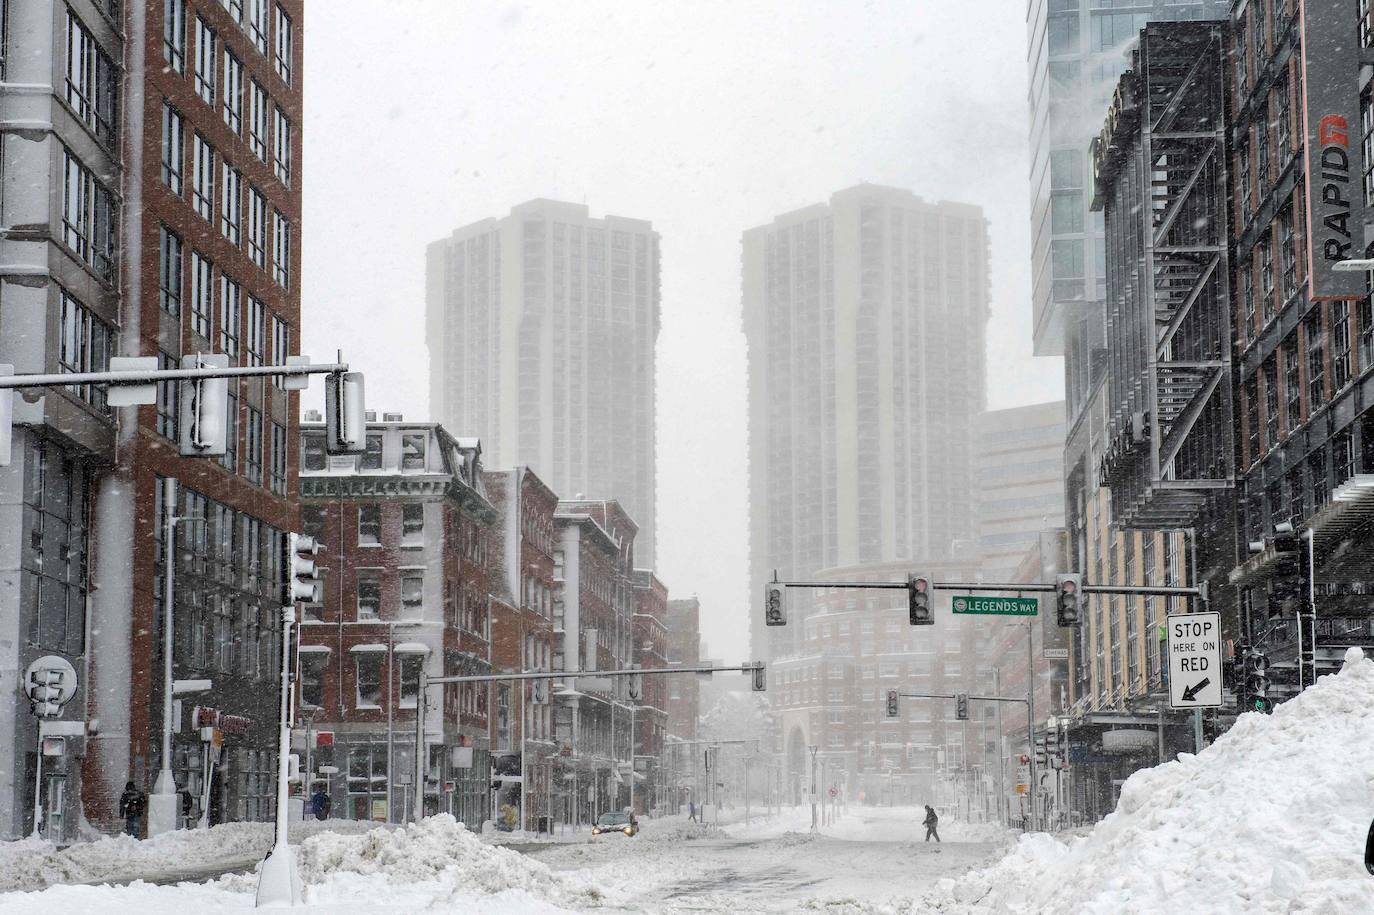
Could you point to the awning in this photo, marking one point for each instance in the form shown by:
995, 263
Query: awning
369, 647
412, 648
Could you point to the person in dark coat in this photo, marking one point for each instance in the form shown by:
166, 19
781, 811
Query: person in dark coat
132, 805
186, 802
319, 804
931, 822
691, 812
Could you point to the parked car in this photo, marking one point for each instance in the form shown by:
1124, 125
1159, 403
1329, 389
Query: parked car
619, 823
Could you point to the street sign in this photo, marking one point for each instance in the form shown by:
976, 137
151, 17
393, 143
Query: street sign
996, 606
1195, 660
1056, 654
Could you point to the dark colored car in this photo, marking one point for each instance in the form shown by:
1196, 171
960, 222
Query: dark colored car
623, 823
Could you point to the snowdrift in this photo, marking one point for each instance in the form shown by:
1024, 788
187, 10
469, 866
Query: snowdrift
1271, 818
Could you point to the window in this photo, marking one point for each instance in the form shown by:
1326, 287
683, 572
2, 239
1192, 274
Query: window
1243, 179
1252, 420
252, 458
1066, 212
1367, 144
202, 294
1262, 155
1366, 328
1291, 382
230, 318
1266, 250
312, 452
257, 331
282, 135
231, 206
1247, 285
91, 80
1282, 111
168, 399
1289, 248
173, 148
412, 524
369, 525
278, 481
369, 596
169, 271
281, 250
1340, 344
257, 228
313, 666
257, 120
233, 92
174, 34
206, 59
235, 9
284, 45
281, 345
1271, 401
410, 665
203, 188
85, 347
257, 24
88, 217
230, 459
412, 595
372, 457
413, 451
1316, 363
1062, 34
369, 664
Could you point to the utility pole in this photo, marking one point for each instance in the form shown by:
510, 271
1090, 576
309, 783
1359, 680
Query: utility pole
814, 826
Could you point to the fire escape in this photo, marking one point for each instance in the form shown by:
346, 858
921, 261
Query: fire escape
1160, 171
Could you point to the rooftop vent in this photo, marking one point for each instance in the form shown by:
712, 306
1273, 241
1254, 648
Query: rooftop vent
313, 416
370, 416
392, 418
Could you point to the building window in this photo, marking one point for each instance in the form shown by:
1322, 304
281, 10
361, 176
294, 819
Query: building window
1289, 247
278, 482
231, 209
369, 596
369, 525
312, 451
85, 347
230, 460
1266, 249
284, 45
252, 458
257, 120
282, 132
412, 524
169, 271
257, 24
372, 457
257, 331
173, 148
233, 92
281, 345
313, 666
1316, 362
412, 595
1243, 179
174, 35
1271, 401
1262, 155
369, 664
1340, 344
202, 294
1282, 129
1367, 327
206, 59
168, 399
281, 250
413, 451
230, 318
1291, 382
410, 665
88, 217
1247, 285
257, 228
91, 80
203, 186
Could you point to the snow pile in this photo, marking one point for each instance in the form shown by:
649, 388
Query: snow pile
439, 848
1269, 819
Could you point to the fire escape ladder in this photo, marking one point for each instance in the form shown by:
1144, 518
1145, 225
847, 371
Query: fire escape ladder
1203, 383
1180, 92
1171, 323
1165, 222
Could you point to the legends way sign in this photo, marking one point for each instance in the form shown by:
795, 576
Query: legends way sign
1195, 660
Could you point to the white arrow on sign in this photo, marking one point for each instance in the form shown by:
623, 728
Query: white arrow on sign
1195, 660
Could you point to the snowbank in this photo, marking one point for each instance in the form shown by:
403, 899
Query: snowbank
1269, 819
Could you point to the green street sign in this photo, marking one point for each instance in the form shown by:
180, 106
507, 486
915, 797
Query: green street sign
996, 606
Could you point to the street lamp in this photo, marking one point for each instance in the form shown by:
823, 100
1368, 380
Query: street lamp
162, 806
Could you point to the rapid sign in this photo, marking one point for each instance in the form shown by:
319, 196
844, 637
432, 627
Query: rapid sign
1195, 660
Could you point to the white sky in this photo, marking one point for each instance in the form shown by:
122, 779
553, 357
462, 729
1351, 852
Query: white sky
706, 118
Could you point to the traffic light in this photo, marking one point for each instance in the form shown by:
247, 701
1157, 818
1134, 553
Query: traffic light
892, 703
1287, 581
302, 579
44, 689
204, 408
918, 593
345, 416
961, 706
760, 677
1257, 684
774, 604
1067, 591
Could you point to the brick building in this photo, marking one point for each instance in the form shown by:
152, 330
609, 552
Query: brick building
410, 544
650, 634
522, 634
684, 695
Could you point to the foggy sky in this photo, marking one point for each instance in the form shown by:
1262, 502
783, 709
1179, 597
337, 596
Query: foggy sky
706, 118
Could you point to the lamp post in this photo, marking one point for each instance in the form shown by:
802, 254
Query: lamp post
164, 803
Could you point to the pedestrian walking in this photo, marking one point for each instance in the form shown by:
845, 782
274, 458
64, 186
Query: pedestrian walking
692, 812
132, 805
319, 804
931, 822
